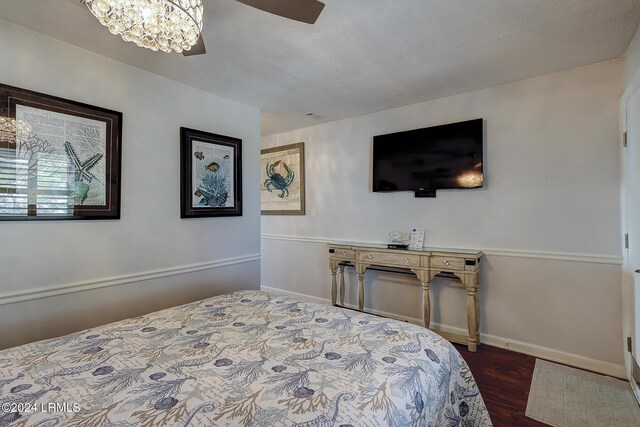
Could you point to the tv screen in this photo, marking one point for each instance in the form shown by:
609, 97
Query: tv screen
438, 157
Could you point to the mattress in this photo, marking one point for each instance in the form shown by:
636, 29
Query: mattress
248, 358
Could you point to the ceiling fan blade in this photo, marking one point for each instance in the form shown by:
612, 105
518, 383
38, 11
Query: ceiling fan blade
196, 49
306, 11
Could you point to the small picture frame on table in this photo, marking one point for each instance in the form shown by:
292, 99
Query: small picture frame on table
211, 174
417, 239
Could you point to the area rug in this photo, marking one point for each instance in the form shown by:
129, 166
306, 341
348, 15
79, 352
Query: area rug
565, 397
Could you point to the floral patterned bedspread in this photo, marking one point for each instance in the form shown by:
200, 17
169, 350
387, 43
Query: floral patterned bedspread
247, 358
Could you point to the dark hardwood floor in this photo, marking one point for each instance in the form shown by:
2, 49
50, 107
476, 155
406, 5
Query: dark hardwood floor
504, 379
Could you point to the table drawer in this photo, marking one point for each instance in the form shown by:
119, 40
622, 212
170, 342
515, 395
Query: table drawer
343, 254
447, 263
400, 260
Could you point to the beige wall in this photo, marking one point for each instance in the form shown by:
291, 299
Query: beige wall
548, 217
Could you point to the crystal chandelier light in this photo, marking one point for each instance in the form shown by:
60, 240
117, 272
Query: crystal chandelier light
167, 25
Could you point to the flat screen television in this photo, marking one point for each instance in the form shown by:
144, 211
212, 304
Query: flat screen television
428, 159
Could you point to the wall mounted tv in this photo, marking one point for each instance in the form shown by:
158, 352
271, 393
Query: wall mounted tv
425, 160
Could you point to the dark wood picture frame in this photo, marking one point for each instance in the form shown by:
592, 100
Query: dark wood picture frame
218, 190
83, 141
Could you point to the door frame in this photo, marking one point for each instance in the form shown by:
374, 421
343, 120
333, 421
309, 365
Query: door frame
627, 270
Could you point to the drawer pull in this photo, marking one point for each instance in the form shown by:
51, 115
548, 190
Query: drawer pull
407, 260
445, 262
370, 256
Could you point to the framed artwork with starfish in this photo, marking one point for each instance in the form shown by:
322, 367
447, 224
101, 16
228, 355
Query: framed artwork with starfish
59, 159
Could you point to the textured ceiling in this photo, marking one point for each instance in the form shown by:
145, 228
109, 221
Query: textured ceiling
362, 55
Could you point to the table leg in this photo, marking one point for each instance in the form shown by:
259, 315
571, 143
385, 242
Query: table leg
426, 305
360, 269
476, 303
334, 286
342, 285
361, 291
472, 311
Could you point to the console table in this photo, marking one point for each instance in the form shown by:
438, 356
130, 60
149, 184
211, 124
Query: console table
425, 264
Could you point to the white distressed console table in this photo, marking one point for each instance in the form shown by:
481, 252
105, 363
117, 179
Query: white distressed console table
425, 264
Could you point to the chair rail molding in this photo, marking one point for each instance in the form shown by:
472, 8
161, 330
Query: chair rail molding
49, 291
511, 253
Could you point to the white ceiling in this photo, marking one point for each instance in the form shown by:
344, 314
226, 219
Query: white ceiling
361, 56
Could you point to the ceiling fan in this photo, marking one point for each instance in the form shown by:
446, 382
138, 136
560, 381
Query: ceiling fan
143, 21
306, 11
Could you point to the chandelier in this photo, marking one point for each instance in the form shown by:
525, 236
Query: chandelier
166, 25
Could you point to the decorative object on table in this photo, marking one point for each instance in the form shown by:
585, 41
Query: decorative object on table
211, 174
417, 239
282, 177
59, 159
399, 240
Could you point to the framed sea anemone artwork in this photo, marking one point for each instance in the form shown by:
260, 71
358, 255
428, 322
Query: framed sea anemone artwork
59, 159
282, 180
211, 174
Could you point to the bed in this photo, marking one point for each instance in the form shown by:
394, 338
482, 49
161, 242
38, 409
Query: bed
248, 358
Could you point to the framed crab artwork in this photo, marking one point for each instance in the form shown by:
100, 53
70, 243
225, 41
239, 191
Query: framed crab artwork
282, 180
211, 174
59, 159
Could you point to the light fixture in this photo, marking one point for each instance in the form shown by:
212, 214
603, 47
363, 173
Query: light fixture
166, 25
12, 130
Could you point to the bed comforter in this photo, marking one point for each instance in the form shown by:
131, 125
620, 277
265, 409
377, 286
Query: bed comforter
247, 358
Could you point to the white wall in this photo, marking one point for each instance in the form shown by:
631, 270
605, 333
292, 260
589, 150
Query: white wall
632, 59
43, 258
631, 299
548, 217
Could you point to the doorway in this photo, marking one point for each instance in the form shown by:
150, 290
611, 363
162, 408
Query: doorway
631, 222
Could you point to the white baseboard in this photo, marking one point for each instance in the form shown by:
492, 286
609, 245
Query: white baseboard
631, 363
535, 350
635, 389
36, 293
311, 298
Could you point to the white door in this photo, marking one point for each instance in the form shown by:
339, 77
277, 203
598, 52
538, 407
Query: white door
632, 187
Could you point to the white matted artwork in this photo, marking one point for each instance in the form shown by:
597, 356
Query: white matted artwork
282, 179
61, 144
212, 175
